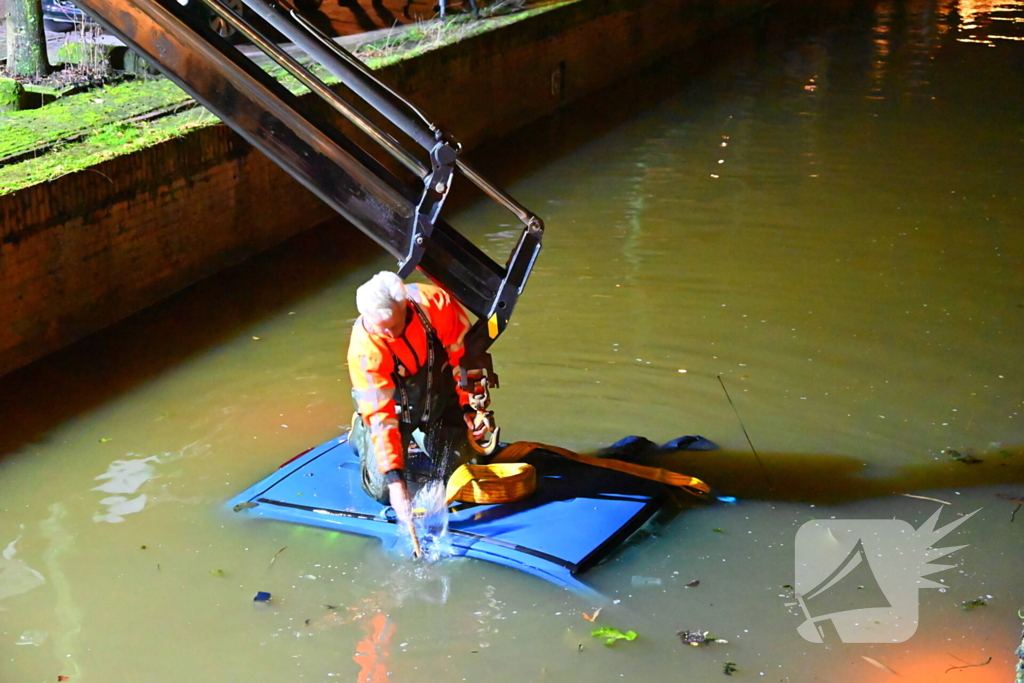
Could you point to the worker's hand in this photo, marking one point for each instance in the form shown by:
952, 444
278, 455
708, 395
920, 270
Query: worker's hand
477, 432
403, 509
400, 501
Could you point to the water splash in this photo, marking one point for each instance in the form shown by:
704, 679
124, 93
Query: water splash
426, 579
432, 522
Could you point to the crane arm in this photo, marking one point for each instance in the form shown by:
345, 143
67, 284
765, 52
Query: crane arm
401, 214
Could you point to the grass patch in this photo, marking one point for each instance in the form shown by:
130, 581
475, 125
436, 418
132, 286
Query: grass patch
71, 116
106, 142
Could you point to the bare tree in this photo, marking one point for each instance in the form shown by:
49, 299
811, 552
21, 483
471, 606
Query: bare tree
26, 40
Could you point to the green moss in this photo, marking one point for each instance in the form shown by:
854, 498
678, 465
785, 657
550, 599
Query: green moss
10, 95
104, 143
75, 115
82, 130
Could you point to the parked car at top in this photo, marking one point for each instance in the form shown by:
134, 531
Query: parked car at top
63, 15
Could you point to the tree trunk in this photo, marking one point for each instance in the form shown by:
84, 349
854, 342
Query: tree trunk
26, 40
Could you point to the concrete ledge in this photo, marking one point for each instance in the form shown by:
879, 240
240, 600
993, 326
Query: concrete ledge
90, 248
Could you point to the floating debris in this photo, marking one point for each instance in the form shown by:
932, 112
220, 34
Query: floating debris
693, 583
276, 554
979, 601
968, 666
692, 637
875, 662
729, 669
698, 637
934, 500
32, 637
966, 458
592, 618
217, 572
1012, 499
262, 596
612, 634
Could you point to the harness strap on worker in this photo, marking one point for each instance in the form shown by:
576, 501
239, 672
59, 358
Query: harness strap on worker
506, 479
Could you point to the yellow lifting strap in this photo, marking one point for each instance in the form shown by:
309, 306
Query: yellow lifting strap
506, 480
490, 484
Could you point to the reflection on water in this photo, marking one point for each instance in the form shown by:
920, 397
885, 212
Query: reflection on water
16, 577
989, 21
124, 476
372, 653
68, 626
829, 223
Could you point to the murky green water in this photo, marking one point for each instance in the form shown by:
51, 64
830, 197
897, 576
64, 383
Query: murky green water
831, 224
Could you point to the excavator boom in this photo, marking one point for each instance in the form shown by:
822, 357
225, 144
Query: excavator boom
401, 214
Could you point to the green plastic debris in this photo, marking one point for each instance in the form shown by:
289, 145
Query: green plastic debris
976, 602
612, 634
967, 458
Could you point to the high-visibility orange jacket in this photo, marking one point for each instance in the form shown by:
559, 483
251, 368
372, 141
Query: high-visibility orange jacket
371, 365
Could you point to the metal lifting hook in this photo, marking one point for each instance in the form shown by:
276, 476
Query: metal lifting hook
480, 401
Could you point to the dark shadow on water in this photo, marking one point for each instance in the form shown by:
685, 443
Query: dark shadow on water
826, 479
93, 370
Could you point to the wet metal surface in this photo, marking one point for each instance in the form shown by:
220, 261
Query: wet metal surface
830, 223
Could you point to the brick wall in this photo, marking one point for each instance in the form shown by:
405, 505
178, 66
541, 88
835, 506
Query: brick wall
78, 255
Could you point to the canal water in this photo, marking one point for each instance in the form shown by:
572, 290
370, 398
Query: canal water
805, 236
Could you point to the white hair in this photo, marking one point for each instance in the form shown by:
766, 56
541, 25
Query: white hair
377, 297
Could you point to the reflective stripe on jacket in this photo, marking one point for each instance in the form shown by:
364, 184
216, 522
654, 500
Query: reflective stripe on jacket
374, 375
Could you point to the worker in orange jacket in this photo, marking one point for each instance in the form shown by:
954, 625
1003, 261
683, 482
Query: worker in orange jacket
403, 360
